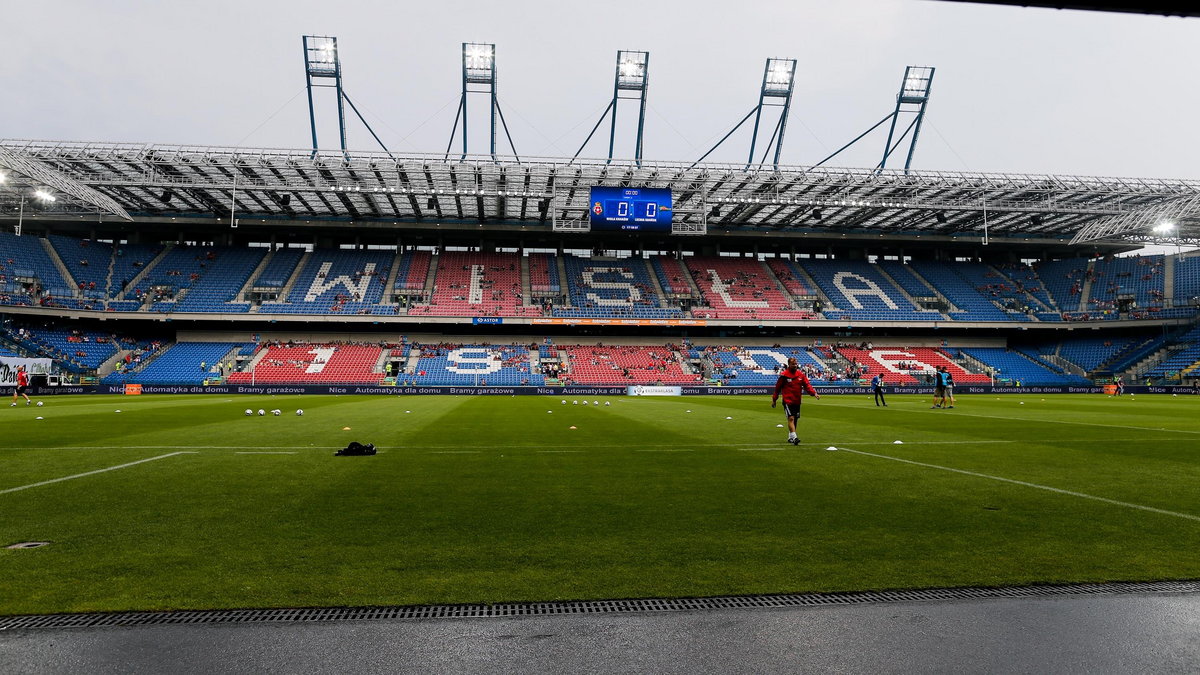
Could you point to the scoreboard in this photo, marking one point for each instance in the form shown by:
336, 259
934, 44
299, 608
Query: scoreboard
630, 209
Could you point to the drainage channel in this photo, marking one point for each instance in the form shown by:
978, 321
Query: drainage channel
317, 614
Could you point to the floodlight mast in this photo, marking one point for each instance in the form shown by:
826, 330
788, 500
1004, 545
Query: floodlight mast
913, 97
479, 69
321, 62
632, 75
779, 78
914, 91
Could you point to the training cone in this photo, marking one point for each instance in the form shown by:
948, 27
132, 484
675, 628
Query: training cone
778, 426
831, 448
571, 427
728, 418
345, 428
897, 442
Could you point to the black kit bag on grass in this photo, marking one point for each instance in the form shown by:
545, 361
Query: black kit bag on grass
356, 449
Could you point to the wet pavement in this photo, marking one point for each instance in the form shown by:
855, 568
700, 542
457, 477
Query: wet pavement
1135, 633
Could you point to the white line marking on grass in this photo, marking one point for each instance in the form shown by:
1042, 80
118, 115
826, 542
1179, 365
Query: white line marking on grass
1035, 420
1060, 491
663, 450
92, 473
273, 452
455, 452
546, 452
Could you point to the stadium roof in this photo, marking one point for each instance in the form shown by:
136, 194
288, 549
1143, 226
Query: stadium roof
153, 181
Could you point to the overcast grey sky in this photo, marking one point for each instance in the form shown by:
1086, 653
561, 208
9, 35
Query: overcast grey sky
1017, 90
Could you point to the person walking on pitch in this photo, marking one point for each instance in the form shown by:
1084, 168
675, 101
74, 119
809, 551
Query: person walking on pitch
877, 385
793, 384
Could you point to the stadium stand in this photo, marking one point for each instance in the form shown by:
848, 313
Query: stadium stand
312, 363
1090, 353
481, 365
1187, 281
338, 282
1139, 277
275, 274
1064, 281
740, 288
751, 366
625, 365
26, 267
178, 364
907, 365
1014, 367
1184, 362
543, 274
962, 294
860, 292
476, 284
612, 288
216, 289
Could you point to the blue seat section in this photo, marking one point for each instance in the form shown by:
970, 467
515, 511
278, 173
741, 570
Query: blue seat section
498, 365
1187, 279
180, 268
1090, 353
850, 275
24, 257
217, 288
903, 274
1176, 362
1038, 355
1026, 279
1012, 365
962, 294
729, 363
124, 305
1060, 277
1139, 276
330, 281
58, 345
87, 261
178, 365
993, 286
612, 289
128, 261
279, 268
248, 349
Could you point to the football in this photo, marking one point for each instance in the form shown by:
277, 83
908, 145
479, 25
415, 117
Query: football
276, 412
40, 404
262, 412
249, 412
299, 412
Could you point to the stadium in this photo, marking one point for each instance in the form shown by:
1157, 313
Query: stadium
567, 363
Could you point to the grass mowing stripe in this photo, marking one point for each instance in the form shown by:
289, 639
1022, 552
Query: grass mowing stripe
1034, 420
1060, 491
92, 473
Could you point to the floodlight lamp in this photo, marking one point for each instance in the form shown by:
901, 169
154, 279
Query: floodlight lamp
479, 56
3, 177
1164, 227
780, 73
44, 196
631, 69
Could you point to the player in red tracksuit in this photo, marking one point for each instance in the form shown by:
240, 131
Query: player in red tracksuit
793, 383
22, 384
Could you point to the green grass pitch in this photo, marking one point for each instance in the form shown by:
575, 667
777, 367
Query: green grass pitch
492, 499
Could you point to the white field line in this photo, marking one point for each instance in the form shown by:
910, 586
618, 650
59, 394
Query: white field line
1106, 500
557, 452
1035, 420
265, 452
92, 473
455, 452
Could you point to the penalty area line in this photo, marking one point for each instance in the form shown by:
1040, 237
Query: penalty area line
92, 473
1072, 493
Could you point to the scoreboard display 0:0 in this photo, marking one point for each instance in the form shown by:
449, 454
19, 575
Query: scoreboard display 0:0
630, 209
